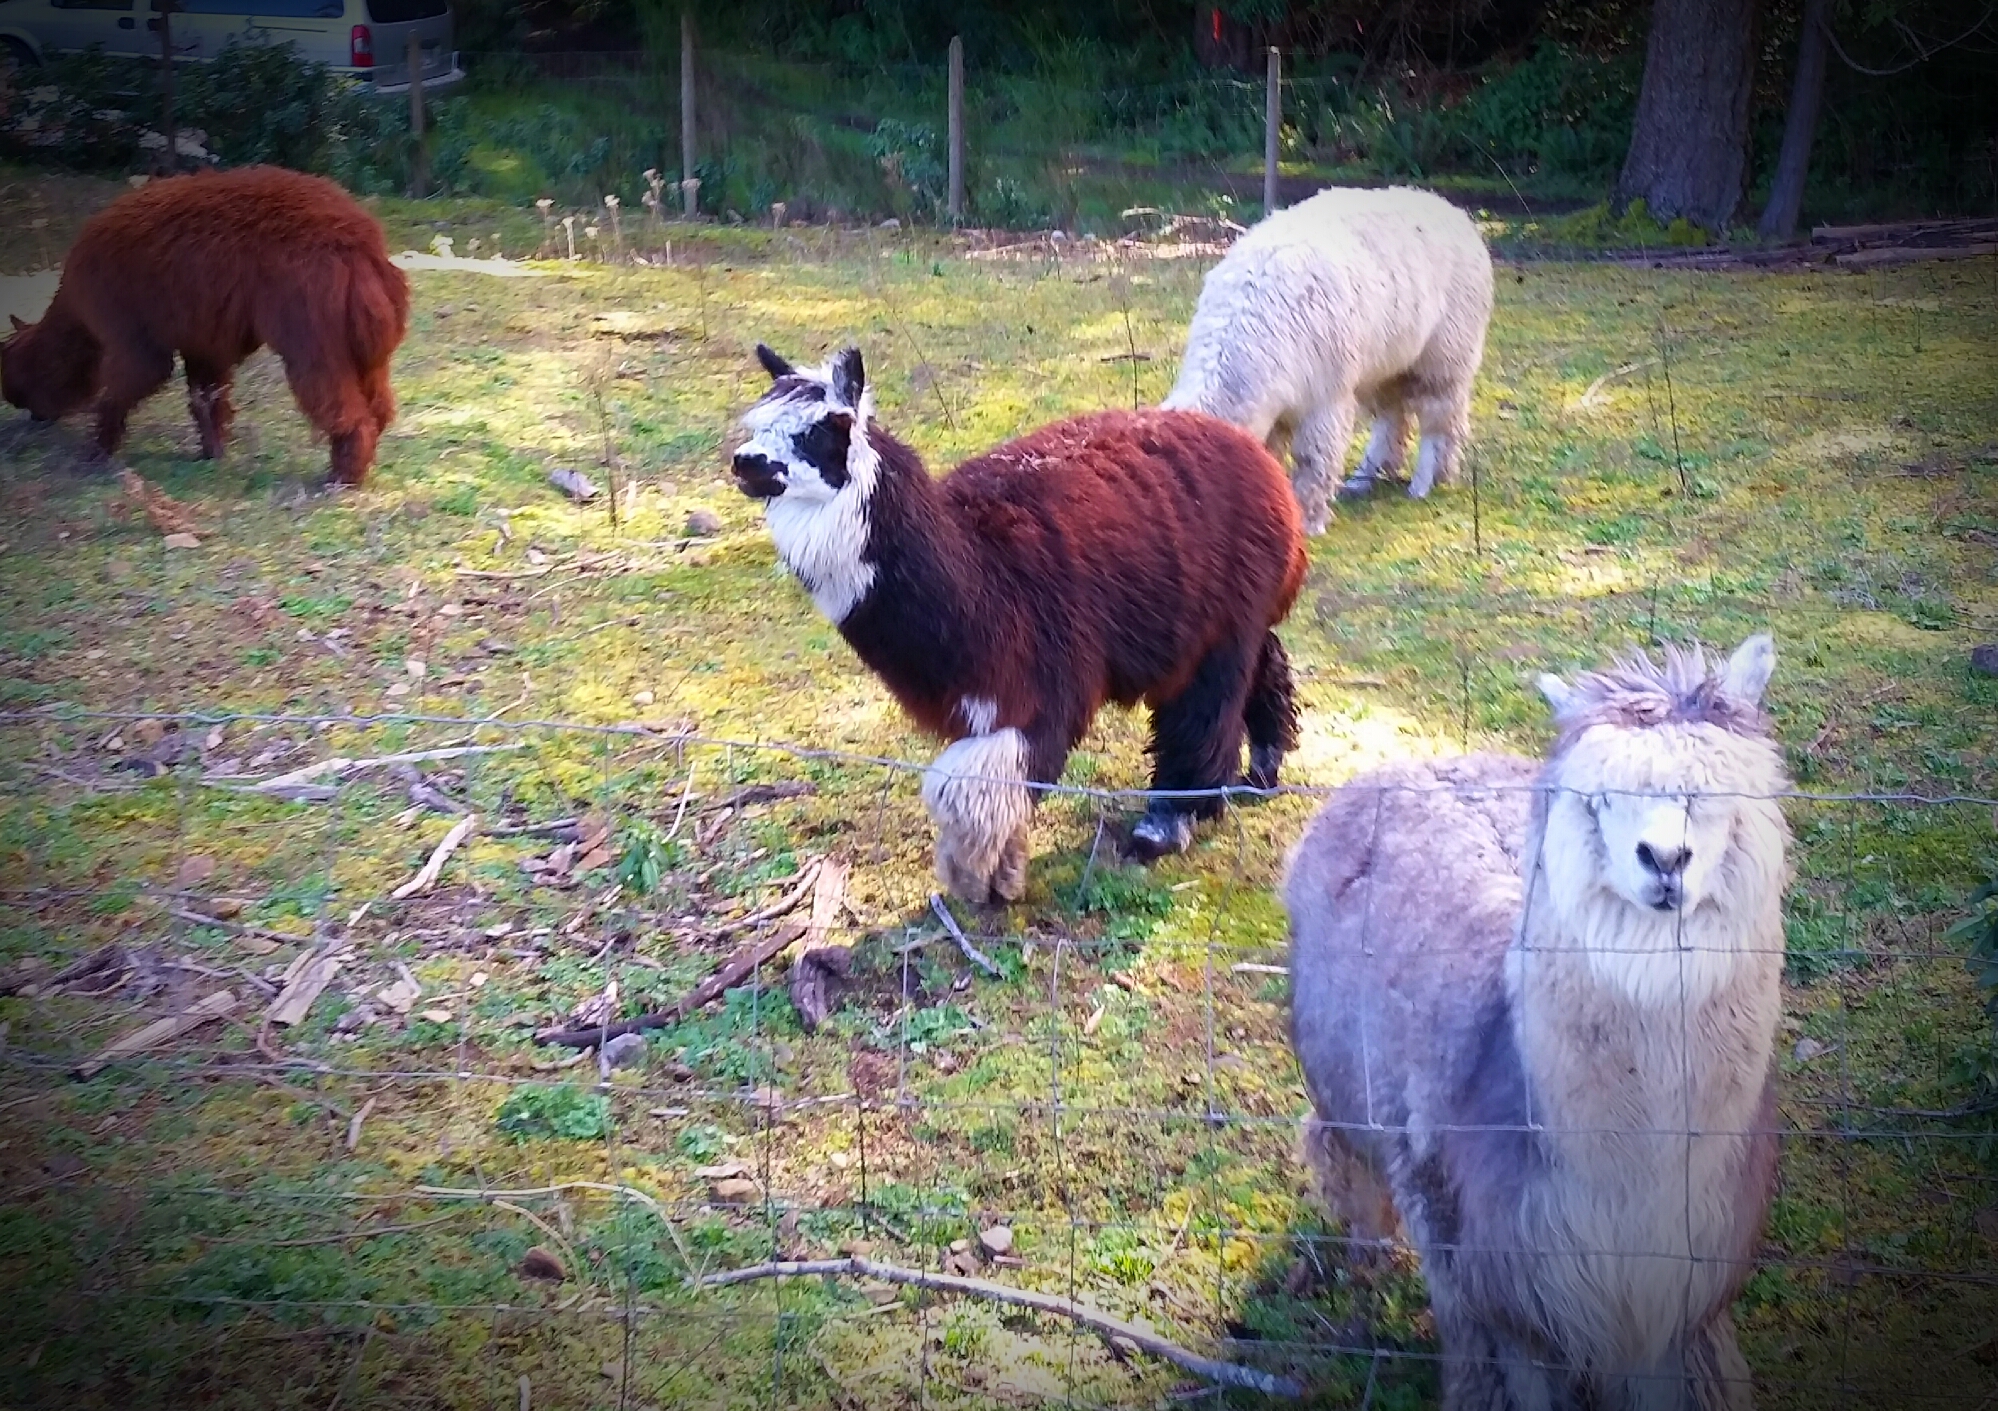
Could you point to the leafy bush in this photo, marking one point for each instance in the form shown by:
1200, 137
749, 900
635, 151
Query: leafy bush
909, 156
535, 1112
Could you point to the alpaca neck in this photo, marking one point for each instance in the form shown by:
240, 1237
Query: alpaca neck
1621, 1013
916, 626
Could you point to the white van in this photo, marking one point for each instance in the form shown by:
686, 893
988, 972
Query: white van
365, 39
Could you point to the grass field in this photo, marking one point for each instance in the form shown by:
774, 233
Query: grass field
1660, 456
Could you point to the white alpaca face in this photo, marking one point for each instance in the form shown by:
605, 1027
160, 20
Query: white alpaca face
809, 461
1657, 836
1652, 798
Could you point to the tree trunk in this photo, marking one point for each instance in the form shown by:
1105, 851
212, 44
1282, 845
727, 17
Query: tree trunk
1786, 191
1689, 147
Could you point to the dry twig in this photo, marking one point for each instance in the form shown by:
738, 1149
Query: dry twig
1225, 1373
426, 877
971, 952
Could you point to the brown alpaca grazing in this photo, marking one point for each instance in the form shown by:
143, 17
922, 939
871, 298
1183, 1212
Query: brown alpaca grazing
214, 266
1121, 556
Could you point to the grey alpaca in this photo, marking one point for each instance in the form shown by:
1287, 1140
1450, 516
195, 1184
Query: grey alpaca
1536, 1008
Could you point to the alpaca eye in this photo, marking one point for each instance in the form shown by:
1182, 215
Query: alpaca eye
823, 447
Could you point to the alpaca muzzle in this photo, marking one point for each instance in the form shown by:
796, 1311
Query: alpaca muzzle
757, 476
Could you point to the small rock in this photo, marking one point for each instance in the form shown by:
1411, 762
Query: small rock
1808, 1049
622, 1052
181, 541
891, 224
1984, 659
736, 1189
642, 698
702, 524
355, 1019
997, 1240
540, 1262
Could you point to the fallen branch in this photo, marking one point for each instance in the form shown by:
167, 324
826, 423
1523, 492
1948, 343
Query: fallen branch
307, 978
1588, 398
738, 966
1224, 1373
1908, 254
971, 952
427, 875
760, 793
159, 1031
526, 830
341, 767
808, 875
201, 918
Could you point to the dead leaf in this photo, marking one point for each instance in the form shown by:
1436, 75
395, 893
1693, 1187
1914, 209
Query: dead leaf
167, 514
596, 857
181, 541
400, 995
435, 1016
540, 1262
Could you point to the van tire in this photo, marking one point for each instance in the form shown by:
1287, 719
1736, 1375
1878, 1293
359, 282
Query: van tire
16, 55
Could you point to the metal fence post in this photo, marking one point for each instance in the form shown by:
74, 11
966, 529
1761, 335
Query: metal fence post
1272, 125
956, 130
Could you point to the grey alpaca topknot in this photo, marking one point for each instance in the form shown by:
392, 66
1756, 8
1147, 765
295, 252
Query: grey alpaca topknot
1686, 688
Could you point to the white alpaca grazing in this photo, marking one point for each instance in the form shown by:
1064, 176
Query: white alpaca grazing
1353, 298
1536, 1009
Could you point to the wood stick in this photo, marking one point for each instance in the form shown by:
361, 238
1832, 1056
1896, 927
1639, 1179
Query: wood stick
427, 875
1226, 1373
1909, 254
807, 876
159, 1031
340, 766
971, 952
743, 963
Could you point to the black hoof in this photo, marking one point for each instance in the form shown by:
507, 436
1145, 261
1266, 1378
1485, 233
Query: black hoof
1264, 764
1159, 833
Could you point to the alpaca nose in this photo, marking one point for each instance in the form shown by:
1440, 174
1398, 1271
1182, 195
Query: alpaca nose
757, 476
1664, 862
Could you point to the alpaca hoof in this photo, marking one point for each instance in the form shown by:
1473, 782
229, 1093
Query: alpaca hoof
1264, 763
1357, 486
1160, 832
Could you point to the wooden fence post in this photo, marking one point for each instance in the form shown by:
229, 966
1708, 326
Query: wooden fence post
419, 161
170, 158
1272, 126
690, 188
956, 130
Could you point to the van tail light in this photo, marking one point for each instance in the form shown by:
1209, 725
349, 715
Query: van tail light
361, 47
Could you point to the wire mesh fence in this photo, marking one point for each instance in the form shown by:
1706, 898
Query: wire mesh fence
1090, 1100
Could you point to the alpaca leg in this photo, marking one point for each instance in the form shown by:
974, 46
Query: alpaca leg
977, 793
1196, 745
1387, 448
1317, 455
1446, 427
1270, 715
132, 373
1717, 1370
208, 401
1481, 1373
333, 400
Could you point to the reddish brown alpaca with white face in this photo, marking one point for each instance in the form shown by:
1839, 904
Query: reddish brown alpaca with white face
1123, 556
212, 267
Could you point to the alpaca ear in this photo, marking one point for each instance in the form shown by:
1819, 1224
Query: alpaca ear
773, 364
849, 378
1748, 670
15, 319
1558, 692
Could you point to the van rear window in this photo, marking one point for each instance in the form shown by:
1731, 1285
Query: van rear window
269, 9
403, 11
